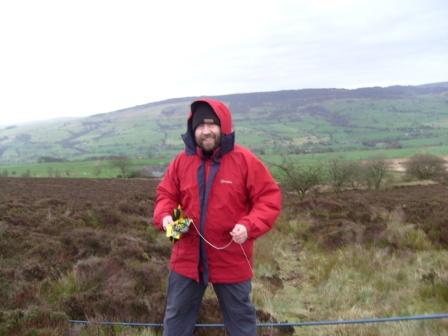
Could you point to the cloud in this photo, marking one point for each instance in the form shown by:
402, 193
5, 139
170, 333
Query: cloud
86, 57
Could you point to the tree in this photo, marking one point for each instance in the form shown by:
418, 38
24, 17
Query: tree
298, 179
27, 173
374, 172
97, 169
342, 173
122, 163
425, 166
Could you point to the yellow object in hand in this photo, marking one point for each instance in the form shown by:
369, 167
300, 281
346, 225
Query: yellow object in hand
179, 226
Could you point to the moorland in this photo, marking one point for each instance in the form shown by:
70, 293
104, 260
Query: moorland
85, 249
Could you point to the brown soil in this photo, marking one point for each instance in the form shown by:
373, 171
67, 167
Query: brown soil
98, 234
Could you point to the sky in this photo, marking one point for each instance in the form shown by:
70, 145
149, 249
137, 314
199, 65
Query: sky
63, 58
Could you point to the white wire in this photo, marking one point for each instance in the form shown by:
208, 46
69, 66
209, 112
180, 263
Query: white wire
223, 247
247, 259
214, 246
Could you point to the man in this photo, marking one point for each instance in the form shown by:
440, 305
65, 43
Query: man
232, 199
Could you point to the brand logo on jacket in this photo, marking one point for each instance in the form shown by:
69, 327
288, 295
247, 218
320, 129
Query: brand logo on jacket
225, 181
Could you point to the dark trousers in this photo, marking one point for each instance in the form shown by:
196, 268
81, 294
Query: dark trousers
184, 297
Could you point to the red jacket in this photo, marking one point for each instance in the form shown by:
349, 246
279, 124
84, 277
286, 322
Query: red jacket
233, 186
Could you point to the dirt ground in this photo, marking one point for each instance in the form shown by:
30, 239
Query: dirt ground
87, 248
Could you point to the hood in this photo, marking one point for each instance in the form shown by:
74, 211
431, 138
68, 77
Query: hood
221, 110
225, 118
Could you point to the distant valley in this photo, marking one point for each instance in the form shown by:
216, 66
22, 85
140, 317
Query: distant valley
290, 122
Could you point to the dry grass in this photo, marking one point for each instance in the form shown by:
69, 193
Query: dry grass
405, 275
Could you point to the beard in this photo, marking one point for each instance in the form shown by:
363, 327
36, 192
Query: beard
208, 143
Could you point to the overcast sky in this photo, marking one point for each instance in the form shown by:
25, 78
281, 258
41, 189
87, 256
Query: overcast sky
77, 58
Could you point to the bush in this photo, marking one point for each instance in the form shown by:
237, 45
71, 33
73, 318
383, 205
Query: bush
46, 159
122, 163
373, 172
426, 166
27, 173
342, 173
299, 179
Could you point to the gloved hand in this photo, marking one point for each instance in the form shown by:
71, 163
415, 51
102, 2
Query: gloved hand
166, 221
239, 233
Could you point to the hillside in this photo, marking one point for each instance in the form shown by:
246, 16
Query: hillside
86, 249
289, 122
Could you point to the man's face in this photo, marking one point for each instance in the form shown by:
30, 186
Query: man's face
207, 136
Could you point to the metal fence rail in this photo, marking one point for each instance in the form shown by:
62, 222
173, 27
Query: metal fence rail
279, 324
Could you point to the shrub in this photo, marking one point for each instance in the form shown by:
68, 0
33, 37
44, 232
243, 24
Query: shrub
425, 166
342, 173
57, 290
122, 163
374, 171
27, 173
299, 179
45, 159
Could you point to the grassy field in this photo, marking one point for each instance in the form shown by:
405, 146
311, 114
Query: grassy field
106, 169
304, 122
81, 169
362, 282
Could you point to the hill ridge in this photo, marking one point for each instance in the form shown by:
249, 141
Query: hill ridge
284, 121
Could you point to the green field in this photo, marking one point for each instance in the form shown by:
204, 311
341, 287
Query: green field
79, 169
106, 169
306, 125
